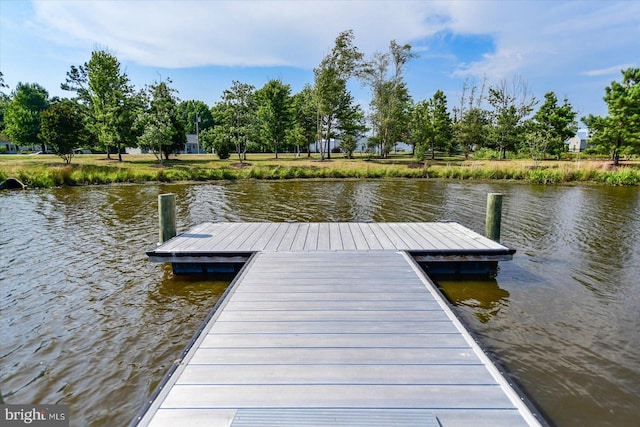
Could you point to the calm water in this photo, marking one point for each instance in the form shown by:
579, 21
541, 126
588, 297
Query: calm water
86, 320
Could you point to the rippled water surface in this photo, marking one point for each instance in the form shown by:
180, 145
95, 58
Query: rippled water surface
86, 320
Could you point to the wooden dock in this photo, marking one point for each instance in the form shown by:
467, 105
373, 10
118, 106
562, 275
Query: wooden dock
339, 327
448, 244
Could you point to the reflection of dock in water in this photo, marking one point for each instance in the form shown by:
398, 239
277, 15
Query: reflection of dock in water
333, 324
483, 295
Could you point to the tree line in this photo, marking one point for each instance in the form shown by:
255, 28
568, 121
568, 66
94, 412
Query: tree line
106, 113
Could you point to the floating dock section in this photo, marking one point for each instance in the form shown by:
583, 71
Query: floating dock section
333, 325
443, 247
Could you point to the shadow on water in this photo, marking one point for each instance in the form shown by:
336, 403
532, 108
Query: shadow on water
189, 287
481, 295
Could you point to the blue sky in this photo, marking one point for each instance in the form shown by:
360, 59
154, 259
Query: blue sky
574, 48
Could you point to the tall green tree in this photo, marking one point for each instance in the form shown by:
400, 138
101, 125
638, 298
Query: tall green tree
275, 112
555, 122
4, 99
127, 132
240, 116
192, 110
330, 85
432, 126
62, 128
470, 119
295, 137
619, 131
471, 131
22, 115
537, 140
218, 139
350, 125
305, 119
391, 102
512, 104
162, 130
106, 91
418, 132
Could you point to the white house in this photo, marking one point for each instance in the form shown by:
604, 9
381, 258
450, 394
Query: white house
363, 145
579, 142
398, 147
191, 147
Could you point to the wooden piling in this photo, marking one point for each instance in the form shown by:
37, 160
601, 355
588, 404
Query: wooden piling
493, 216
166, 216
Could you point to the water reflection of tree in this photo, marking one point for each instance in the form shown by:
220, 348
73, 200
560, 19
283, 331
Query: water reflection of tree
482, 296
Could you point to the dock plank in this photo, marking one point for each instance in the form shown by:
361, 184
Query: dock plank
358, 237
330, 315
311, 244
318, 286
300, 239
483, 241
348, 243
424, 304
370, 236
270, 297
181, 241
424, 236
412, 340
289, 237
324, 238
237, 239
334, 327
392, 235
455, 239
261, 237
337, 396
335, 374
340, 356
335, 237
274, 242
403, 231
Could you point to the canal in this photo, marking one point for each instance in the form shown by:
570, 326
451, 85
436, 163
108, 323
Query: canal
87, 321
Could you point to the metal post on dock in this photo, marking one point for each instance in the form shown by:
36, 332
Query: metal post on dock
167, 216
494, 216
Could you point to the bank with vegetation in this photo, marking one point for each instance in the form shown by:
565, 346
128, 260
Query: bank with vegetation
44, 171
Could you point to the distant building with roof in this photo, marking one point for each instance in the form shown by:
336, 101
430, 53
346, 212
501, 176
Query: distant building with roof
579, 142
191, 147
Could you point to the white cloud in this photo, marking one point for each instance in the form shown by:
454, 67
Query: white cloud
197, 33
529, 37
542, 38
616, 69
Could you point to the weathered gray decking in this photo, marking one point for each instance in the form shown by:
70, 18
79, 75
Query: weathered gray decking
427, 241
328, 329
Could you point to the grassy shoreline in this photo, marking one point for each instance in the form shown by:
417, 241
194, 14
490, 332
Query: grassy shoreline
46, 171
